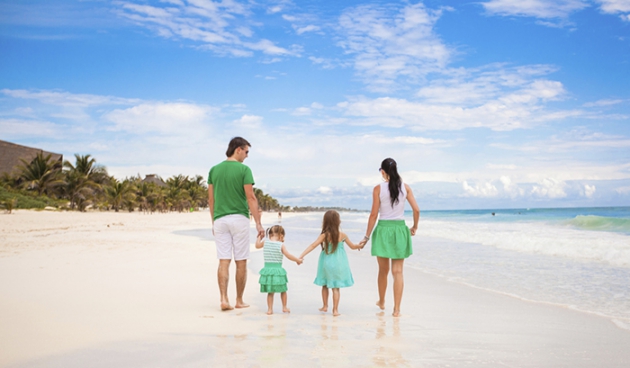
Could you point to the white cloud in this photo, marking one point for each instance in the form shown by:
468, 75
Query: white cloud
482, 190
302, 111
308, 28
324, 190
549, 188
616, 7
390, 44
60, 98
496, 96
162, 118
397, 140
501, 167
18, 128
249, 121
545, 9
325, 63
588, 191
215, 26
623, 190
510, 188
604, 102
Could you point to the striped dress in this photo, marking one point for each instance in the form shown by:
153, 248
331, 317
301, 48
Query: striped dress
273, 278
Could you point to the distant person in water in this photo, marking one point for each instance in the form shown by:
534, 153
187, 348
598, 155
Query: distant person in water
231, 199
391, 240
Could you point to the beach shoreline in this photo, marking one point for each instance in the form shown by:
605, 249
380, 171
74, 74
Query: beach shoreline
130, 289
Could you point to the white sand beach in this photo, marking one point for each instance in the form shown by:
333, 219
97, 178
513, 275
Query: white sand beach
107, 289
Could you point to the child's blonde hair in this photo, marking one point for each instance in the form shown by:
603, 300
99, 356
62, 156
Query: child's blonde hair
276, 230
330, 229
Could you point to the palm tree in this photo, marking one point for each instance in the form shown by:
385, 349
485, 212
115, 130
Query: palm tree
198, 192
119, 193
41, 174
83, 180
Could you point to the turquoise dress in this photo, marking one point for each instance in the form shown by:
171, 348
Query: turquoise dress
333, 270
273, 277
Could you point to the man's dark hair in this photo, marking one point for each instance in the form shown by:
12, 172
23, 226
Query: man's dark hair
235, 143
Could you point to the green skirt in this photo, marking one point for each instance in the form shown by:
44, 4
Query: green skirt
391, 239
273, 278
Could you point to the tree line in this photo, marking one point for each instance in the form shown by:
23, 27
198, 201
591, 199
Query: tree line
86, 185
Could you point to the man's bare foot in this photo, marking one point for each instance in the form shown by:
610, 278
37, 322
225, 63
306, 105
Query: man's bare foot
241, 305
226, 307
270, 312
286, 310
336, 313
324, 309
396, 313
381, 304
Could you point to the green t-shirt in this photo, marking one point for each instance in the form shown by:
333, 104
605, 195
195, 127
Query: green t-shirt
227, 179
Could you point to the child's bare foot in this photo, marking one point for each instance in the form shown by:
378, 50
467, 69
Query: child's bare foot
226, 307
241, 305
324, 309
396, 313
286, 310
381, 304
270, 312
336, 313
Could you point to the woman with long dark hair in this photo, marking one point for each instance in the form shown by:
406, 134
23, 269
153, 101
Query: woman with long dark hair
391, 240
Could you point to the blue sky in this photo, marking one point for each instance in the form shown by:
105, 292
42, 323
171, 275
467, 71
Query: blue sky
485, 104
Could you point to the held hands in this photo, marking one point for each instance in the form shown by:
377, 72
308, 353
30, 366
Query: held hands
299, 261
261, 231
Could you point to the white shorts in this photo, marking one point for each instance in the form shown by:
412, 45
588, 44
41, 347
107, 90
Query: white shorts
231, 235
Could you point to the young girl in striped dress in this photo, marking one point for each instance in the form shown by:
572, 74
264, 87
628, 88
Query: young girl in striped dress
273, 278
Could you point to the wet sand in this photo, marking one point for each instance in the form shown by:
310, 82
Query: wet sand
121, 289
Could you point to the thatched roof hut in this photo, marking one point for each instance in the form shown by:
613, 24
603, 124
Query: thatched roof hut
11, 154
155, 179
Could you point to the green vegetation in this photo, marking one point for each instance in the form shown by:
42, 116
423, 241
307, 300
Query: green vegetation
85, 185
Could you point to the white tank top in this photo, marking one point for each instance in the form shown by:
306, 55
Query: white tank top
387, 212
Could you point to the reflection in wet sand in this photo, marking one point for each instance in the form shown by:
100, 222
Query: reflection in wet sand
274, 346
389, 351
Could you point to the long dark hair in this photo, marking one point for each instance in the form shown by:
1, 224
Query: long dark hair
395, 182
330, 229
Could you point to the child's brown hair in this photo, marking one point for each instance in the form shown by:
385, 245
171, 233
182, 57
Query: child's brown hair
276, 230
330, 229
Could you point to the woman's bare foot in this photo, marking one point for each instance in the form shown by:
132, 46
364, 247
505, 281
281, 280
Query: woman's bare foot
241, 305
381, 304
324, 309
336, 313
286, 310
226, 307
396, 313
270, 312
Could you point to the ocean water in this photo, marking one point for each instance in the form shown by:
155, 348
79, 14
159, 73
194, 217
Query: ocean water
577, 258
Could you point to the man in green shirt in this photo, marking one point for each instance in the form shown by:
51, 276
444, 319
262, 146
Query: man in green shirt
231, 199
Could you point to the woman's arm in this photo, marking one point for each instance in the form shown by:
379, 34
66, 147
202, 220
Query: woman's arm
290, 256
310, 248
376, 205
349, 242
259, 242
415, 208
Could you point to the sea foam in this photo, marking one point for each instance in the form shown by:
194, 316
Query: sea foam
538, 238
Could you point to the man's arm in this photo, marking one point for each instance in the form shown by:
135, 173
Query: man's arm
211, 203
252, 202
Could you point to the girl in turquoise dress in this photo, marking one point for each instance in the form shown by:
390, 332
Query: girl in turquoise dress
333, 269
273, 278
